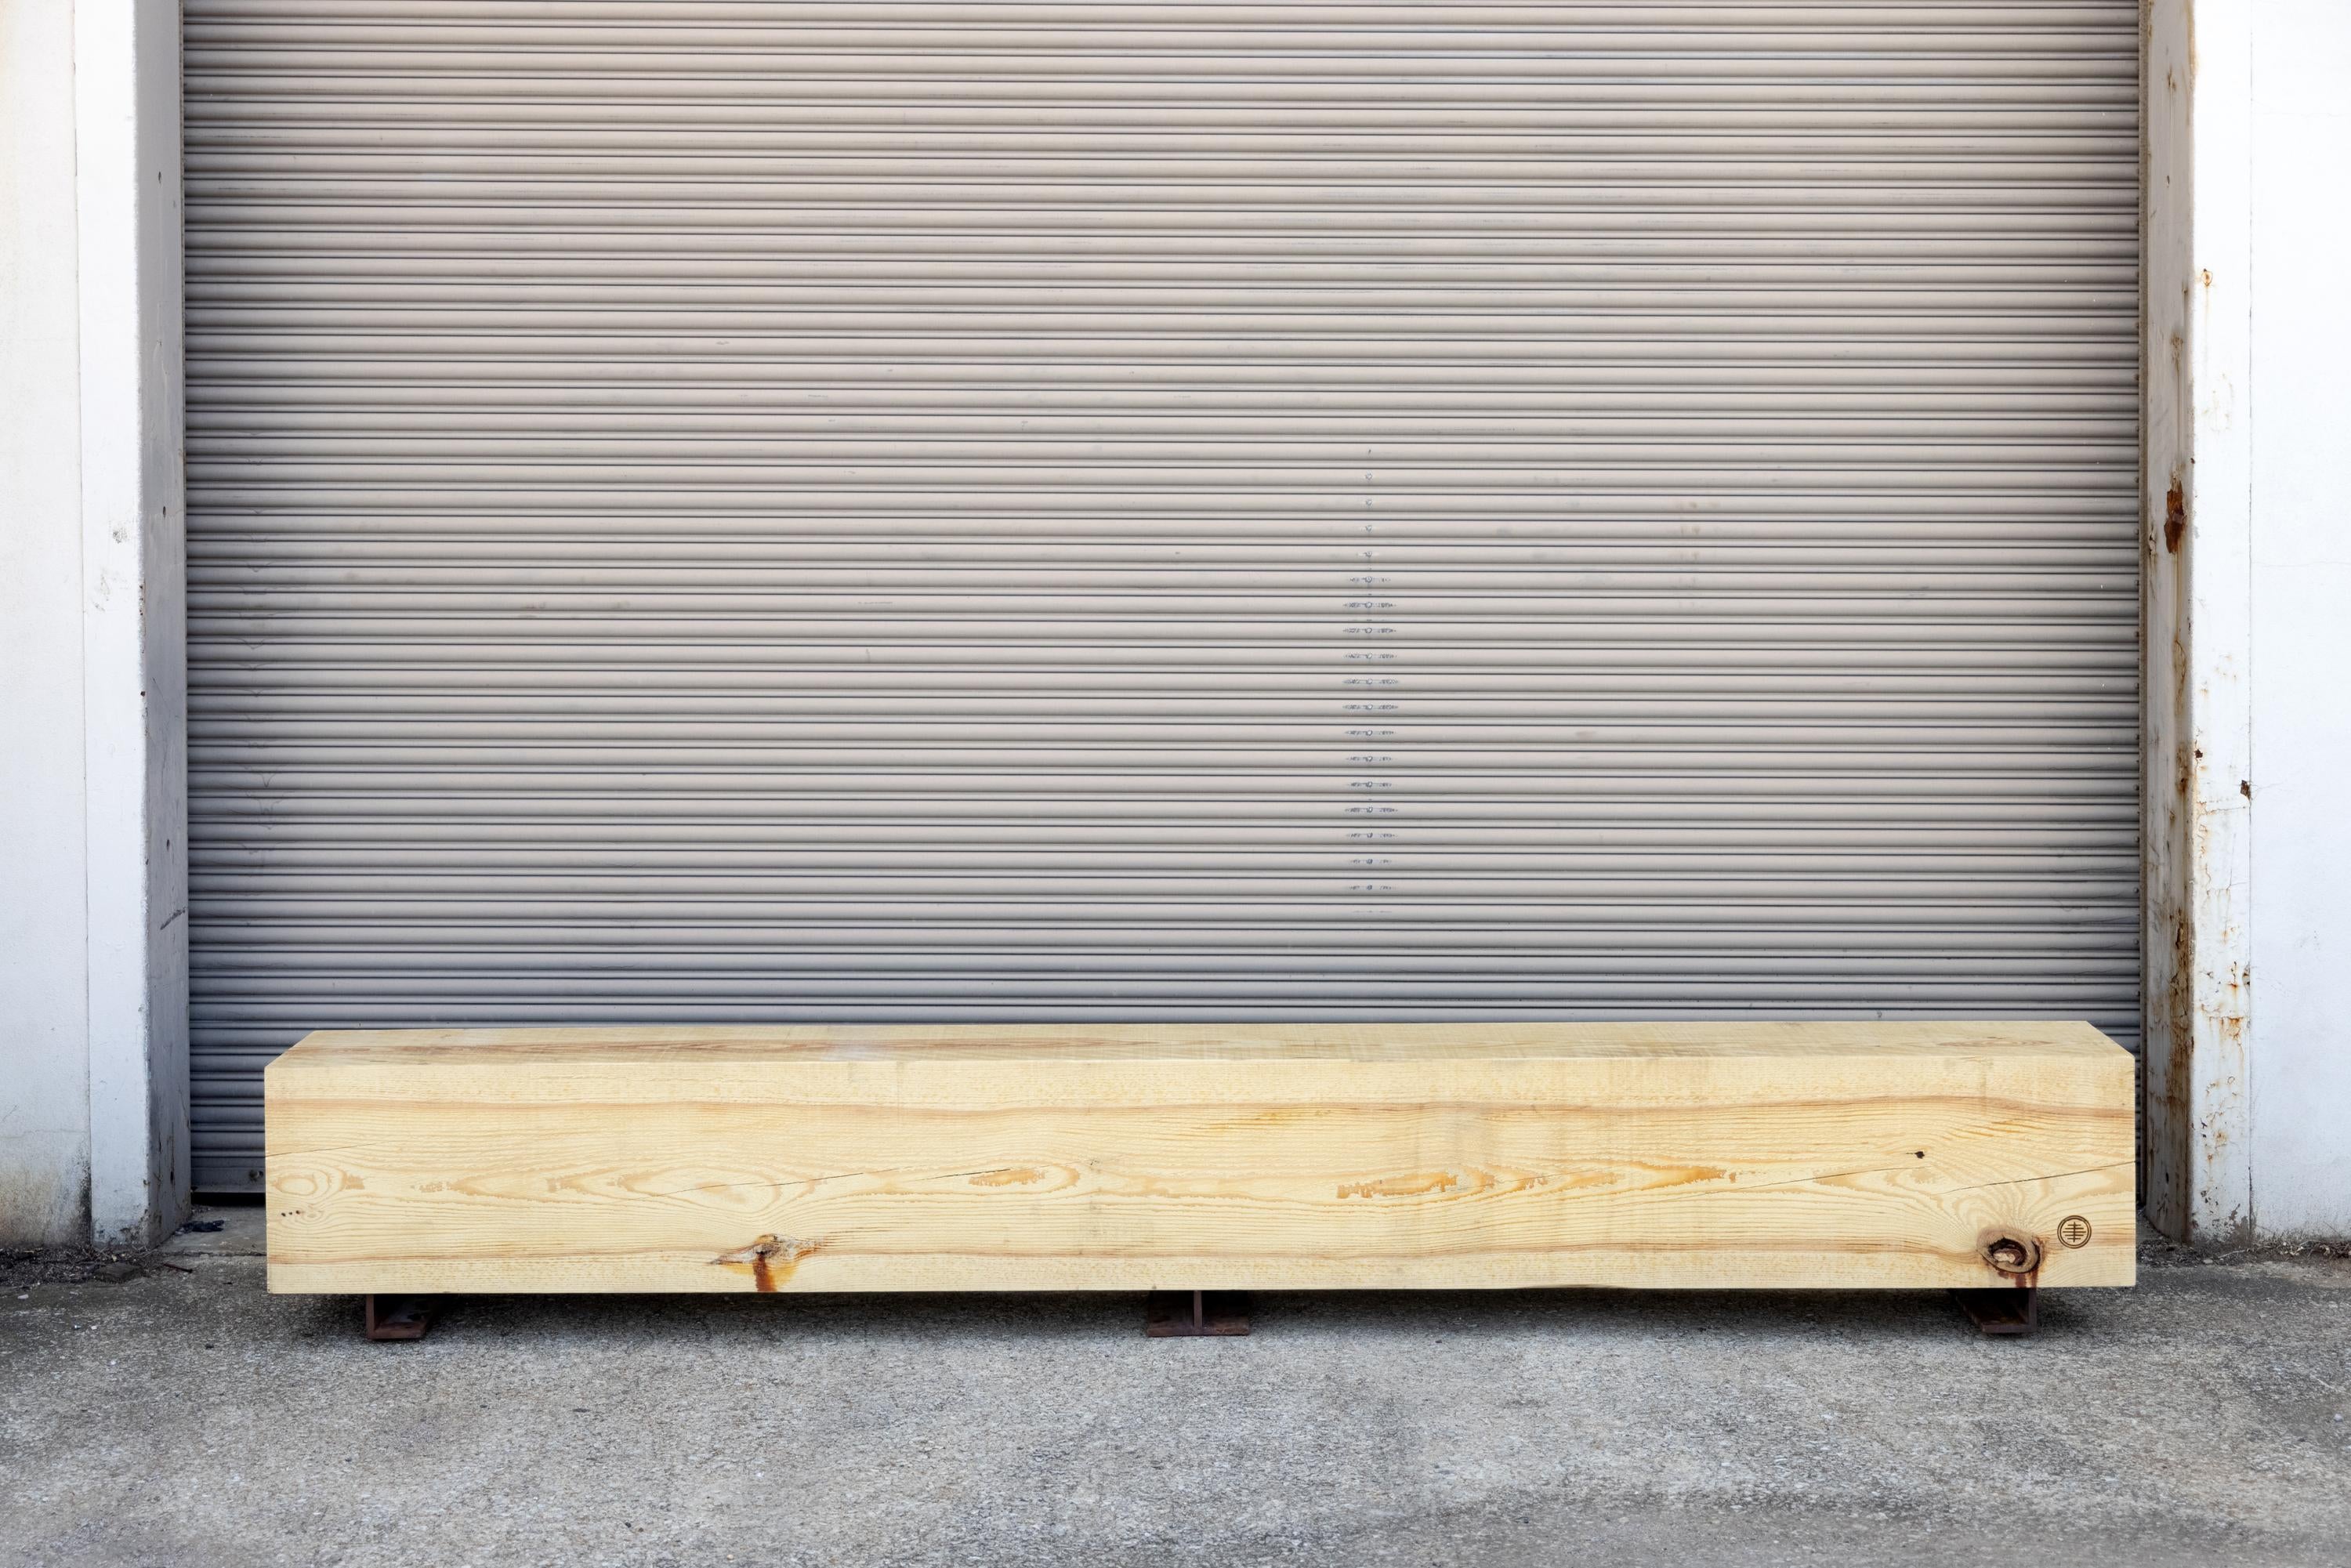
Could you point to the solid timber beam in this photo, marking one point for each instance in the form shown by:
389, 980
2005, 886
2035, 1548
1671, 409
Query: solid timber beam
977, 1157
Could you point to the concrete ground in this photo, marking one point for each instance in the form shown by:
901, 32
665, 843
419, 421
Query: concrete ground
185, 1417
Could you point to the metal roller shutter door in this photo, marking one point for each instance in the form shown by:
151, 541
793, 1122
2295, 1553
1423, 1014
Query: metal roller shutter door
891, 509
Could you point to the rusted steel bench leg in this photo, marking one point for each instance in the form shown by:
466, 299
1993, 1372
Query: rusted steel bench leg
2008, 1310
400, 1317
1195, 1314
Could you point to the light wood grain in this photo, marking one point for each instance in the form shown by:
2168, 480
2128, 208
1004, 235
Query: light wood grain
1213, 1156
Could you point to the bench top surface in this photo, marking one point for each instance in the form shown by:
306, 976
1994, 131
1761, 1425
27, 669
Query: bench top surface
1368, 1042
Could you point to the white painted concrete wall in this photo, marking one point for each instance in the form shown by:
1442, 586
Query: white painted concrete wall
93, 929
134, 627
43, 1055
2300, 660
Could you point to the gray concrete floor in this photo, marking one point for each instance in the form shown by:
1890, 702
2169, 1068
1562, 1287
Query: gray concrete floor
188, 1417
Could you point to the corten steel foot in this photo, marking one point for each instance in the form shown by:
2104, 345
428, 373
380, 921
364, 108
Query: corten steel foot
400, 1317
2013, 1310
1195, 1314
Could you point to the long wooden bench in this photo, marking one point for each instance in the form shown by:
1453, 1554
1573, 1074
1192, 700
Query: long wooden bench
973, 1157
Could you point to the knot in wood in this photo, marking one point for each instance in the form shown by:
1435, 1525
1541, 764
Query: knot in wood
2012, 1254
